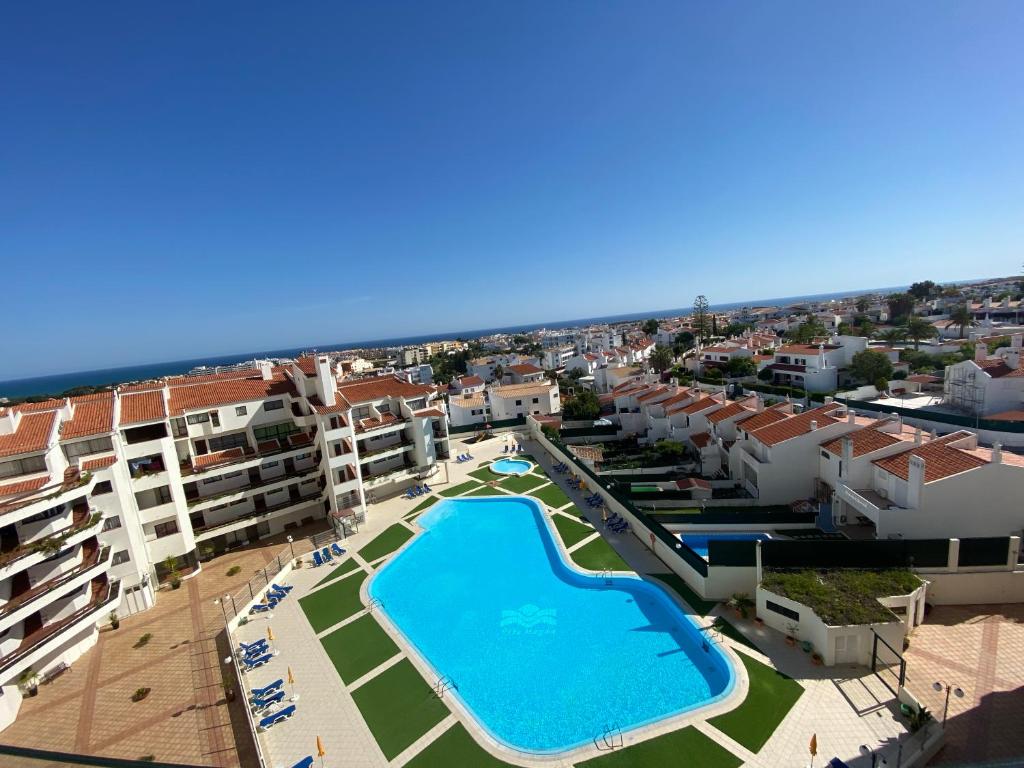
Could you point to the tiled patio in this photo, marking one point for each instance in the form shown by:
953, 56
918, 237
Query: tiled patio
980, 649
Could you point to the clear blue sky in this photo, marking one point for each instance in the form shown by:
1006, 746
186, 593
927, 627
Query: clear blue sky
182, 179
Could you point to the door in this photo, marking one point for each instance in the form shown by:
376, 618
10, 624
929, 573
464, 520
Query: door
847, 647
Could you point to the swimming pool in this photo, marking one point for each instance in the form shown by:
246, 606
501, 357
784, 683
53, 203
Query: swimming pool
545, 658
698, 542
511, 466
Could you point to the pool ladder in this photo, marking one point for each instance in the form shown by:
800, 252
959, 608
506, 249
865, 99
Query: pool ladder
374, 603
610, 738
443, 684
606, 576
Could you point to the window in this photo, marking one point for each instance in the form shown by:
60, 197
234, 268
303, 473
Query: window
240, 410
197, 418
46, 514
100, 488
384, 408
301, 456
153, 498
519, 402
230, 475
121, 557
273, 405
111, 523
86, 447
782, 610
224, 442
269, 465
165, 529
178, 427
274, 431
23, 466
215, 417
536, 400
826, 455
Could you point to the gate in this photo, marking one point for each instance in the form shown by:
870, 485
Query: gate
887, 664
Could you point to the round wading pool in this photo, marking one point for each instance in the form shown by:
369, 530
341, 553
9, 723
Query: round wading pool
511, 466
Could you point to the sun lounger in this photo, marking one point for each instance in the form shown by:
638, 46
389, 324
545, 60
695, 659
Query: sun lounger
259, 661
427, 489
277, 717
258, 705
266, 690
409, 494
305, 762
262, 607
327, 554
317, 558
418, 491
337, 550
282, 587
246, 647
505, 449
279, 596
252, 653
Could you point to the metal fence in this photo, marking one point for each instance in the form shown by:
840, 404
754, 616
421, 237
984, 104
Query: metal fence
236, 603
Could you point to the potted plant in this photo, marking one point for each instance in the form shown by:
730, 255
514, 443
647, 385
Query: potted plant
206, 552
816, 659
140, 694
758, 621
741, 603
172, 572
115, 622
229, 690
791, 634
919, 719
806, 646
29, 682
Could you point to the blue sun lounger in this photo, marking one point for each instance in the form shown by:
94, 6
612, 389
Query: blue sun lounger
305, 762
337, 550
259, 661
258, 705
263, 607
426, 488
317, 559
258, 650
326, 554
277, 717
273, 594
266, 690
249, 647
282, 587
409, 494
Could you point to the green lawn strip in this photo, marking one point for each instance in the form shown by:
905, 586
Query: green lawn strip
486, 490
424, 504
598, 555
347, 566
675, 582
399, 707
522, 483
729, 629
385, 543
457, 489
484, 474
358, 647
329, 605
455, 747
572, 531
552, 495
687, 745
770, 697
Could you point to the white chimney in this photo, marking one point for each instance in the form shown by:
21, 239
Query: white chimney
997, 453
814, 425
9, 421
1017, 341
917, 436
760, 404
851, 416
324, 380
266, 369
829, 399
915, 481
980, 351
847, 456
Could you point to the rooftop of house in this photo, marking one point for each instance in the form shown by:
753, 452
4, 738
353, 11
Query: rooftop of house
524, 369
92, 415
796, 425
943, 457
31, 435
143, 406
380, 387
519, 390
729, 411
470, 381
871, 437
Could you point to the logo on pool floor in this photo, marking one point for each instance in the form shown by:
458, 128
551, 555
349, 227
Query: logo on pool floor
530, 618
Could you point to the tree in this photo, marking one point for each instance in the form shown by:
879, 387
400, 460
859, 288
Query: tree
844, 329
962, 318
701, 318
650, 327
741, 366
499, 372
923, 290
862, 304
736, 329
863, 326
871, 365
900, 306
583, 406
918, 328
661, 358
766, 374
683, 342
807, 331
893, 335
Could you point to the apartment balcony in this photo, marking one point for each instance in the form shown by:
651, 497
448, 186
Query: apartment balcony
157, 512
238, 492
95, 561
44, 640
256, 516
388, 450
247, 457
405, 470
85, 522
73, 485
866, 501
382, 425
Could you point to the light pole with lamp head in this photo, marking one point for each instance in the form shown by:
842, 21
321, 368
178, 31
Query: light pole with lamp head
876, 759
938, 685
291, 547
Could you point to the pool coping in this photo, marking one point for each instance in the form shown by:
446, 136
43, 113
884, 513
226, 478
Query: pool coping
494, 461
735, 696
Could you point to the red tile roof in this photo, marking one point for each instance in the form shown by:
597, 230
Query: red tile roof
92, 465
45, 405
690, 483
924, 378
700, 405
92, 416
524, 369
373, 422
145, 406
24, 486
220, 457
205, 378
701, 439
794, 426
380, 387
225, 392
144, 386
940, 459
1015, 415
307, 365
997, 369
429, 412
730, 410
471, 381
788, 367
340, 406
32, 434
865, 440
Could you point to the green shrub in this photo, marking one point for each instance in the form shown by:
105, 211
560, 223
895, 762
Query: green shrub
234, 570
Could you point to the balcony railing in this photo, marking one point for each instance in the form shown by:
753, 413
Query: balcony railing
294, 442
252, 486
103, 596
256, 514
378, 451
82, 518
25, 598
72, 481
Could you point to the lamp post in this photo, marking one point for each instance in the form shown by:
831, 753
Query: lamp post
291, 547
938, 685
876, 758
223, 610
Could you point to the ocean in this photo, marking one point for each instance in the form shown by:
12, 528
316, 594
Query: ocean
55, 384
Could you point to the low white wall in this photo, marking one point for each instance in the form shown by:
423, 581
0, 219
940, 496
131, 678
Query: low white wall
969, 588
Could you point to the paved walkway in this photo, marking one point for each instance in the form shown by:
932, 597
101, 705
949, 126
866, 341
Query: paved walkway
979, 648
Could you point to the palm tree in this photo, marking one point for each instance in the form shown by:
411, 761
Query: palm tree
918, 328
962, 318
893, 335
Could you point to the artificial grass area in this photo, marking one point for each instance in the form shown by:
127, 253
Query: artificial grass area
327, 606
598, 555
552, 495
484, 474
346, 566
455, 747
399, 707
486, 490
571, 531
425, 503
358, 647
729, 629
386, 542
675, 582
522, 483
457, 489
686, 746
769, 699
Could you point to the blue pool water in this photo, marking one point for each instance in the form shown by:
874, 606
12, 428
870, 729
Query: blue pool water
511, 466
698, 542
544, 657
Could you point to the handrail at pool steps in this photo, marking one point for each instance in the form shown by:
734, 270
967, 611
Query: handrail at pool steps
611, 737
444, 683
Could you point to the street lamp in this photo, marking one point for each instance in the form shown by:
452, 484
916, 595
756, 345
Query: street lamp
957, 690
223, 610
876, 758
291, 548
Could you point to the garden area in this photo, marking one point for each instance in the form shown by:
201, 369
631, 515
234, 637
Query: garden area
842, 596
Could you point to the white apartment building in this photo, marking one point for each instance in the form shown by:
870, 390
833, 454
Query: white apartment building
485, 367
987, 385
524, 373
815, 367
555, 358
598, 340
501, 402
97, 492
